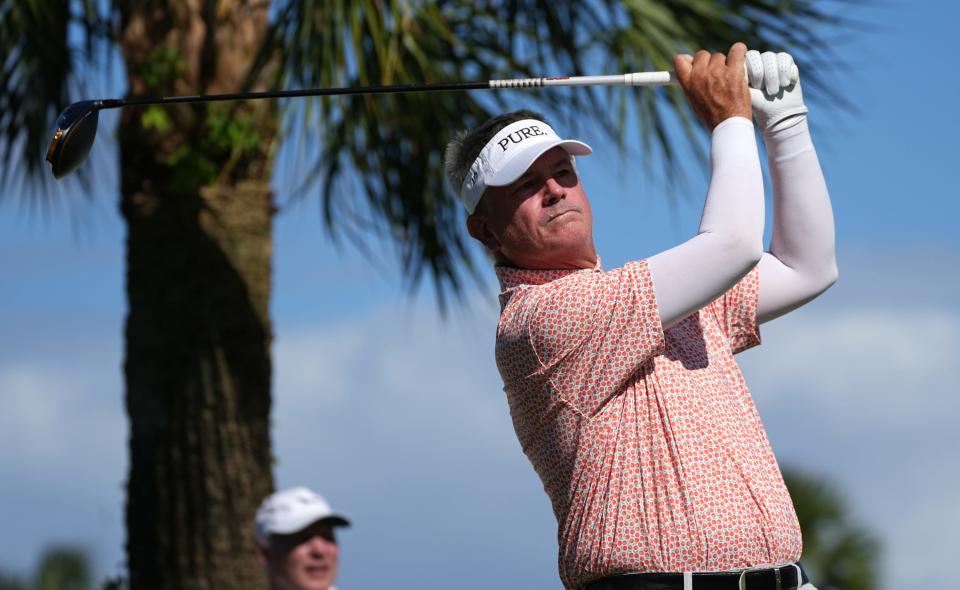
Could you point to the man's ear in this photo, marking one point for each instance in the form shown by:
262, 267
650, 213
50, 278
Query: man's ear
479, 230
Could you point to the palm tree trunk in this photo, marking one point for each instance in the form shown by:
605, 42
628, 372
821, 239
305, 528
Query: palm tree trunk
198, 331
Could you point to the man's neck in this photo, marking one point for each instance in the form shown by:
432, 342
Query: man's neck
585, 261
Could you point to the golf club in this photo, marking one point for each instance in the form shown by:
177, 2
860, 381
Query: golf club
77, 124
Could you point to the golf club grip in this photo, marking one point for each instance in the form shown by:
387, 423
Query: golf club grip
634, 79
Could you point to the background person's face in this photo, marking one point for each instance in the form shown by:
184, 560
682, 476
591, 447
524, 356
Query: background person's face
542, 220
304, 561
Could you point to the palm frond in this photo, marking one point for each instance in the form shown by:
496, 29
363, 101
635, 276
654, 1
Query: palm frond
33, 77
392, 144
63, 568
42, 43
838, 552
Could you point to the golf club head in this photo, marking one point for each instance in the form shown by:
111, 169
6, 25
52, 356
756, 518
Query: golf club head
76, 130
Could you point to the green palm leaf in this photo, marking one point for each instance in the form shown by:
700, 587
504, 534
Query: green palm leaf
59, 568
339, 43
37, 80
837, 552
392, 143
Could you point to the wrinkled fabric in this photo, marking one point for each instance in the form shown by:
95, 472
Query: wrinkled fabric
647, 441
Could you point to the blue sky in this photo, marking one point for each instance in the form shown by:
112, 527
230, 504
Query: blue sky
859, 386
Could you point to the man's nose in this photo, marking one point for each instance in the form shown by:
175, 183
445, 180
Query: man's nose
554, 192
320, 545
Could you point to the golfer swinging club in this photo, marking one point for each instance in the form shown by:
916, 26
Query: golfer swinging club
622, 384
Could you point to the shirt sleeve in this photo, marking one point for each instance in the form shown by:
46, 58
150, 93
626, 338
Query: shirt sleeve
591, 332
736, 312
801, 263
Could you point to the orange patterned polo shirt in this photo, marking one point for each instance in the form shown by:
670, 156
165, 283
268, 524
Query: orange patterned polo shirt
647, 441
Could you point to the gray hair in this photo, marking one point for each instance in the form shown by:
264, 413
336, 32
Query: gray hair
465, 146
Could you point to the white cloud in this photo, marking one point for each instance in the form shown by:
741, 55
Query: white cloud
867, 396
897, 362
31, 413
62, 456
51, 413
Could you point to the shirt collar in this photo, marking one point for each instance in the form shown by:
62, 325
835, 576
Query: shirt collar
512, 277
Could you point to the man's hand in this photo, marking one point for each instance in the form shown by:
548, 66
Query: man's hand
774, 87
715, 84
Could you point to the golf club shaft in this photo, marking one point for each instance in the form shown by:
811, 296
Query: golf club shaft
633, 79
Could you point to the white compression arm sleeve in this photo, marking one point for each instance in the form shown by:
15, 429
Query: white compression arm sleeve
801, 263
730, 239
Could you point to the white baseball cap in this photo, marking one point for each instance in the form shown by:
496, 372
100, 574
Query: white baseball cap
508, 155
292, 510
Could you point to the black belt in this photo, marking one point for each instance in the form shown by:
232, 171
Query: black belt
779, 578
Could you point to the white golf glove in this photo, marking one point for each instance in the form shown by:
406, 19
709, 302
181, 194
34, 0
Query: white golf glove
774, 87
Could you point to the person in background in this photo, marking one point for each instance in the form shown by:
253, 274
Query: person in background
296, 541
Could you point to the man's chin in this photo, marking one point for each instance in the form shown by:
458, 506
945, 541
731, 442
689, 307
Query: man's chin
315, 579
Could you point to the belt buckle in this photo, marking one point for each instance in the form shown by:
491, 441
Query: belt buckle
778, 584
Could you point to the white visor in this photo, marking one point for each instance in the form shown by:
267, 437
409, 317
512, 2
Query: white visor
508, 155
292, 510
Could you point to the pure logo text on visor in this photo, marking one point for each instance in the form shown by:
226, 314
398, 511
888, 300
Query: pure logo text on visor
508, 155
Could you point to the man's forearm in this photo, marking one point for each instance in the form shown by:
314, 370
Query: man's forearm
801, 261
729, 241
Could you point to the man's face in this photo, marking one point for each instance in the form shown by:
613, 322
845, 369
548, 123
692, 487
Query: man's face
303, 561
542, 220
